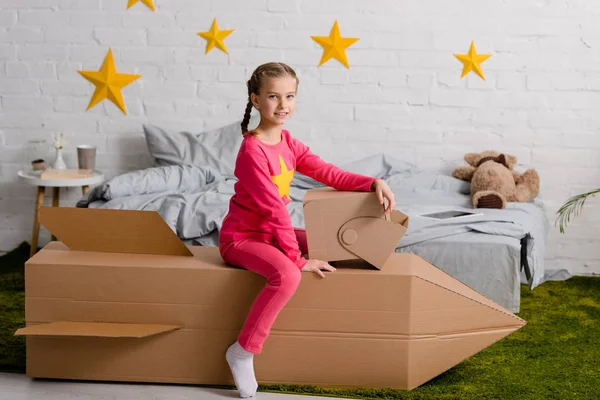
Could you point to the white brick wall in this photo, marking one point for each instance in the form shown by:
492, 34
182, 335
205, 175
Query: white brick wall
540, 100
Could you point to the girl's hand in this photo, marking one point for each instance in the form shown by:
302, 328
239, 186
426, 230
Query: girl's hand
383, 191
316, 266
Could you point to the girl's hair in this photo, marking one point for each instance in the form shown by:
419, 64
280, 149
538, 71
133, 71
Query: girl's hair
260, 74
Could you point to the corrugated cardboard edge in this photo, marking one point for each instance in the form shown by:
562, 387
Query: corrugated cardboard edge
95, 329
112, 231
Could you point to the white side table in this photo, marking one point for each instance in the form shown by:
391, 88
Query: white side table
35, 180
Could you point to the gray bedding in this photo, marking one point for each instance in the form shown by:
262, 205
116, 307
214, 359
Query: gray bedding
194, 199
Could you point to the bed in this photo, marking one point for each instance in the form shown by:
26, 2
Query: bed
192, 182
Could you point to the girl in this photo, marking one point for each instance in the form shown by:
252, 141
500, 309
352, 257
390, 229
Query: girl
257, 233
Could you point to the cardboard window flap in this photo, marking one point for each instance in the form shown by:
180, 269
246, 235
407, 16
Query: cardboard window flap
359, 235
345, 225
95, 329
112, 231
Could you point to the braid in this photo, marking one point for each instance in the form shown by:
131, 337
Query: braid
246, 119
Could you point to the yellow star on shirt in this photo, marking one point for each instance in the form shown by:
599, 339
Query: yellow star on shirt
149, 3
334, 45
108, 83
472, 61
214, 37
284, 179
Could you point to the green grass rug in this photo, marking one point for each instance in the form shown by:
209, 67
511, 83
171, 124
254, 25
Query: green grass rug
556, 356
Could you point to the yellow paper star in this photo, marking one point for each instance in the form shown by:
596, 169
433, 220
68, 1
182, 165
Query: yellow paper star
149, 3
108, 83
472, 61
334, 45
214, 37
284, 179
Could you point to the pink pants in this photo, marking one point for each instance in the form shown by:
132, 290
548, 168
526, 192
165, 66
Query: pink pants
283, 277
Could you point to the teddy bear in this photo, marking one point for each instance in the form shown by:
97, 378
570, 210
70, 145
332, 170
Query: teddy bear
493, 181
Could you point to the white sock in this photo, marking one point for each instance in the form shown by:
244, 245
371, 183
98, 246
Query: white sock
241, 363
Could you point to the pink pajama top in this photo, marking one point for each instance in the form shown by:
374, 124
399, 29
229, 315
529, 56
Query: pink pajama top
258, 210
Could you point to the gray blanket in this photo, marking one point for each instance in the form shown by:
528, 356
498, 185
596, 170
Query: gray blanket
193, 200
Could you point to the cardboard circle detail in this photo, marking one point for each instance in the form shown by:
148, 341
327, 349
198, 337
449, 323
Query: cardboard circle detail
349, 236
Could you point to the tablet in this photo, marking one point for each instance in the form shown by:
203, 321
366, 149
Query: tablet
450, 214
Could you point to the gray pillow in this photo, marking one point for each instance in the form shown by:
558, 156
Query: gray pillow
217, 148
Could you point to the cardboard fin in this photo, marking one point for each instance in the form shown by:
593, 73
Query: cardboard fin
112, 231
359, 236
95, 329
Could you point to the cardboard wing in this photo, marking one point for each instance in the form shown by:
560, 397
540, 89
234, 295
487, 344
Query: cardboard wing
130, 231
98, 230
342, 225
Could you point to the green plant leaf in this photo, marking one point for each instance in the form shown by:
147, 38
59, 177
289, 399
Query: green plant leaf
572, 208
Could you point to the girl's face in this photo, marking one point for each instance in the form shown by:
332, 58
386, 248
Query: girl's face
277, 99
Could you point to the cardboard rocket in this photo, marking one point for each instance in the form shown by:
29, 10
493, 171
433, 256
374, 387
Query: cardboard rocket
120, 298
